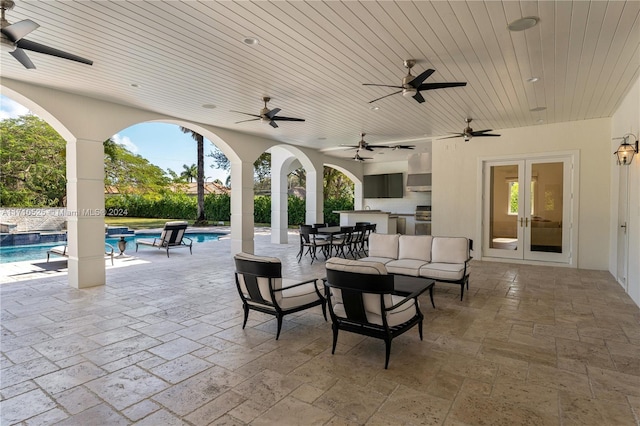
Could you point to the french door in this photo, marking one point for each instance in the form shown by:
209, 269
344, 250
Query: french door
527, 209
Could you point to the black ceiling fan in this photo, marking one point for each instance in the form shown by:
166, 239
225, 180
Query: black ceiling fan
268, 116
364, 145
469, 133
12, 36
413, 85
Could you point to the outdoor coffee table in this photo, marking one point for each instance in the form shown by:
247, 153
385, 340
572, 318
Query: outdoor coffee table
403, 285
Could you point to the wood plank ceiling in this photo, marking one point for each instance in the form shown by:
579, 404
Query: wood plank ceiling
313, 57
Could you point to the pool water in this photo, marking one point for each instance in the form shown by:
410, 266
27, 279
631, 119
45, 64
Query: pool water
23, 253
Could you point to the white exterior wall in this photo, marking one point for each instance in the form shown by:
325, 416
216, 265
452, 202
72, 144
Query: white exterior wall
455, 174
627, 120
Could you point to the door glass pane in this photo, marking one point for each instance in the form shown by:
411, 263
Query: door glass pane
504, 205
546, 207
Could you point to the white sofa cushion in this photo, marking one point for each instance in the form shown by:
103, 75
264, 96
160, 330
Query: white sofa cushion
356, 266
450, 250
383, 260
405, 266
443, 271
383, 245
416, 247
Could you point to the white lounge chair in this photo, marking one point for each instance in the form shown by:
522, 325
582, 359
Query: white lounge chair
172, 236
64, 251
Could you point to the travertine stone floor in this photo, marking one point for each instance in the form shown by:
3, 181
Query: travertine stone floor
162, 344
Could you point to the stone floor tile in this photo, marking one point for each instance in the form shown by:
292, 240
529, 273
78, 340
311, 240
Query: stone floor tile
161, 417
408, 406
68, 378
578, 410
11, 391
613, 385
305, 414
543, 375
114, 335
198, 390
175, 348
24, 406
99, 415
267, 387
77, 400
24, 371
248, 411
179, 369
64, 347
121, 349
47, 418
141, 410
126, 387
215, 409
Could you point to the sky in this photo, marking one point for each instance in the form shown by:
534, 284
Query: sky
162, 144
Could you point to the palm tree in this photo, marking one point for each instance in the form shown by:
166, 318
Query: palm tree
200, 180
190, 172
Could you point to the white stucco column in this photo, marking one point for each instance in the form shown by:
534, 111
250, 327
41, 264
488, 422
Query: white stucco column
85, 213
280, 161
241, 207
357, 196
315, 190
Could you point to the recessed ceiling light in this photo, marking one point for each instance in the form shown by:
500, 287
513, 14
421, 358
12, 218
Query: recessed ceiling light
374, 108
536, 109
322, 139
135, 85
532, 79
523, 23
208, 106
251, 41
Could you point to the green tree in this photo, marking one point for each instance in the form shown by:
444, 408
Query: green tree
33, 161
189, 173
200, 173
129, 172
261, 169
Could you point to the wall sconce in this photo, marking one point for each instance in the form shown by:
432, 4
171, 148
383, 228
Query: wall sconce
626, 151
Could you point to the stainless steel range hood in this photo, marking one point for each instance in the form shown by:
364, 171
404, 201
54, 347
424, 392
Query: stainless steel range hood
419, 172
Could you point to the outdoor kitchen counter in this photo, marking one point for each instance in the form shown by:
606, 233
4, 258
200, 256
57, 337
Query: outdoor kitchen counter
386, 223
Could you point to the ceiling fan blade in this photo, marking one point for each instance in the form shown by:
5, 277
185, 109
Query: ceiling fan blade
271, 114
15, 32
483, 134
369, 148
418, 97
457, 135
246, 113
244, 121
403, 147
421, 78
273, 124
382, 85
23, 58
378, 146
385, 96
432, 86
41, 48
287, 119
479, 132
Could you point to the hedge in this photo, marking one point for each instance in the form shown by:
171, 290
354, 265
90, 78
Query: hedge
217, 207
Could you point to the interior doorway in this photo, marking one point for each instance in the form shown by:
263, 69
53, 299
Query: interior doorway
623, 220
528, 208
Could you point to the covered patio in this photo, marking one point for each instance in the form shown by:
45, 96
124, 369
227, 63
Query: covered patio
162, 343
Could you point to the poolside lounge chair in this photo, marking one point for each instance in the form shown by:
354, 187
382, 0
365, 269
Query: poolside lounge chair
172, 236
64, 251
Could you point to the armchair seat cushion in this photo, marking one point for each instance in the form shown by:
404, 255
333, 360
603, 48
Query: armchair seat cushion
444, 271
405, 267
399, 315
299, 295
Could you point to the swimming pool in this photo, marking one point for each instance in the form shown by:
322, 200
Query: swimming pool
27, 252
